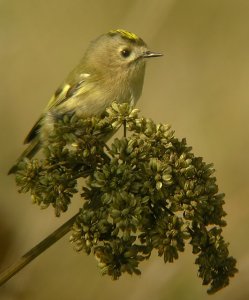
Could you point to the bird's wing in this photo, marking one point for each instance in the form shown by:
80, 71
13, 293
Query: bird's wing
29, 152
68, 90
62, 94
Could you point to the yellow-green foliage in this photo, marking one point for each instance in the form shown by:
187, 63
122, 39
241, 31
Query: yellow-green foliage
145, 191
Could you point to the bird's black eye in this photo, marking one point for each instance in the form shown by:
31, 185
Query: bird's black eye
125, 52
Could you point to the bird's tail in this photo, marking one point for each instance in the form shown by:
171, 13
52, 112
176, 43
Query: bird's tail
29, 152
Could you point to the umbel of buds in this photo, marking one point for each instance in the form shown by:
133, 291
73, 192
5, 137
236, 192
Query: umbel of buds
142, 192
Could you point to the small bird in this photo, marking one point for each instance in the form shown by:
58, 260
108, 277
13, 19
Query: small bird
112, 69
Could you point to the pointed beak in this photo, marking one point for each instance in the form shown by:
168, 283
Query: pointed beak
149, 54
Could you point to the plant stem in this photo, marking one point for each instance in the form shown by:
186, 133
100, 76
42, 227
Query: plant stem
36, 250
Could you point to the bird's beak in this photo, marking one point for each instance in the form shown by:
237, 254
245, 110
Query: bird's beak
149, 54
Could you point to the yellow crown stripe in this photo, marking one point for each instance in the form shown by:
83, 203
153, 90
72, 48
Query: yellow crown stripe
126, 34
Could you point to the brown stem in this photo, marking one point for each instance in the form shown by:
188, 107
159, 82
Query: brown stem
36, 250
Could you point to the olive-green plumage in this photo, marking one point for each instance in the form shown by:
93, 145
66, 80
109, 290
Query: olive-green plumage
112, 69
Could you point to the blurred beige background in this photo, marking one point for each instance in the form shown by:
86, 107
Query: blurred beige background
200, 87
